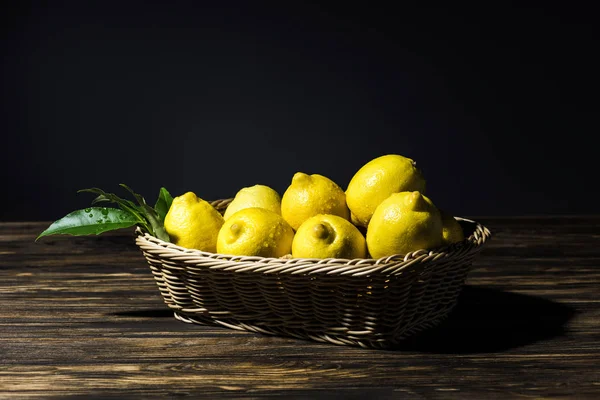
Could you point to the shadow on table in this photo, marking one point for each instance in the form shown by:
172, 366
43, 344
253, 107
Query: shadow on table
489, 320
484, 320
149, 313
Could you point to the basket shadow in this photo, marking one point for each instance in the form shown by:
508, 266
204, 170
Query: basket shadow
489, 320
149, 313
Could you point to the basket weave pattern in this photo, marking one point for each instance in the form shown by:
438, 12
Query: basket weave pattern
365, 302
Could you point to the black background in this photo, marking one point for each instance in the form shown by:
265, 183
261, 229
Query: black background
498, 106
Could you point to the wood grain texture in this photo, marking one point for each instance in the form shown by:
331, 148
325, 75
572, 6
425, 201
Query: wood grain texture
81, 317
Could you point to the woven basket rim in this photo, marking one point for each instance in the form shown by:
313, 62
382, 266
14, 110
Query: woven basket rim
392, 264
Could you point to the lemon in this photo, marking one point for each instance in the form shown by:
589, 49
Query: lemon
260, 196
378, 179
310, 195
255, 232
328, 236
403, 223
451, 230
193, 223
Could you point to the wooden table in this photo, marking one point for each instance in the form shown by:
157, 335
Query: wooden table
82, 317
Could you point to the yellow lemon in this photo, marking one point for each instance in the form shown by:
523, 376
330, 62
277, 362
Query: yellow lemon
377, 180
193, 223
260, 196
255, 232
403, 223
310, 195
328, 236
451, 230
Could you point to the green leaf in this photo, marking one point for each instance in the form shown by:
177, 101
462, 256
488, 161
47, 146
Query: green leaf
156, 224
141, 201
125, 205
147, 218
93, 220
163, 203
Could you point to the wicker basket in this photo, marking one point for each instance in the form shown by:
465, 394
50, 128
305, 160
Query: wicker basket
371, 303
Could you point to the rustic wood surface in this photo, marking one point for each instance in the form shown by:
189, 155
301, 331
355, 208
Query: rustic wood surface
81, 317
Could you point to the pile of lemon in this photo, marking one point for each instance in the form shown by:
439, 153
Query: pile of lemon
383, 212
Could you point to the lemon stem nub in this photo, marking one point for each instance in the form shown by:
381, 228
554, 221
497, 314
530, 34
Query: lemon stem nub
320, 231
415, 201
300, 177
235, 229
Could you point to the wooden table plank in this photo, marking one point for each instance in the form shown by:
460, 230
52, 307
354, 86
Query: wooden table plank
82, 317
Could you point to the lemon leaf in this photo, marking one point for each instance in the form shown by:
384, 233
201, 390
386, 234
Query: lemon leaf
91, 221
125, 205
142, 215
156, 224
163, 203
